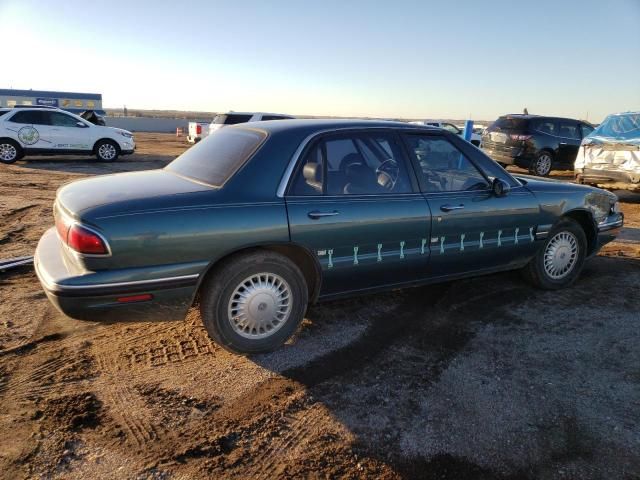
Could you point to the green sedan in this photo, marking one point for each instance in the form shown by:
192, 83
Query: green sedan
256, 221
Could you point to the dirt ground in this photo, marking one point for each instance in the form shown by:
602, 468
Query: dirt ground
476, 379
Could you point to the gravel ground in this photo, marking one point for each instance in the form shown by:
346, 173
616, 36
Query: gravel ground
483, 378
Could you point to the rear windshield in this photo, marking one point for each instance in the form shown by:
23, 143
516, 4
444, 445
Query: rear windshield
231, 118
2, 112
510, 123
216, 158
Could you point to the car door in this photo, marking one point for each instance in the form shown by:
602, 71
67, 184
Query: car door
31, 128
66, 132
569, 138
472, 229
354, 203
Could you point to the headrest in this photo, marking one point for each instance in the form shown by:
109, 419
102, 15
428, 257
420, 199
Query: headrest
312, 172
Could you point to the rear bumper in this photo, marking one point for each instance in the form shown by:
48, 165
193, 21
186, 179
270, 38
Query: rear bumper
514, 157
589, 175
97, 296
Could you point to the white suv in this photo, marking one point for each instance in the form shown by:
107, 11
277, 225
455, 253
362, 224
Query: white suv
233, 118
52, 131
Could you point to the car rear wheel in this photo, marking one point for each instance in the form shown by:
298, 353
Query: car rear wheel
559, 262
254, 303
107, 151
10, 151
541, 165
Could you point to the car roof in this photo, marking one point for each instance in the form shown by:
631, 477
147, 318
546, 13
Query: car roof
315, 125
531, 116
257, 113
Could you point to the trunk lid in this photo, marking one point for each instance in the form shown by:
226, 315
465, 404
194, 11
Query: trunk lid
123, 191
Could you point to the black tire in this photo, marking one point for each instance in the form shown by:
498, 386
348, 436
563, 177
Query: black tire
542, 164
107, 150
216, 302
539, 275
10, 151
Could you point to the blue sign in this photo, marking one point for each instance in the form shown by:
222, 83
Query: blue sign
49, 102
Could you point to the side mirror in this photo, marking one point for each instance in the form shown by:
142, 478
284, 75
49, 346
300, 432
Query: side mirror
81, 125
500, 187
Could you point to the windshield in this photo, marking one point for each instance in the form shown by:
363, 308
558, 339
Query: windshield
619, 127
216, 158
231, 118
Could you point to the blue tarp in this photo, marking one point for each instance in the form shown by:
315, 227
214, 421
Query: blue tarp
617, 128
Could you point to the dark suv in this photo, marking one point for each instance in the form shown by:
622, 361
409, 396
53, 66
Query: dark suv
537, 143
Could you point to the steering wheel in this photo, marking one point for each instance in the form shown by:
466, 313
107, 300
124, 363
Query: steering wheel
390, 170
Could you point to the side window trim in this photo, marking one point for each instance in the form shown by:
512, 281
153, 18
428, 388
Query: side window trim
447, 137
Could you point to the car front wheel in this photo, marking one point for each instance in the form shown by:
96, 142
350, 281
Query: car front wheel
559, 262
107, 151
10, 151
254, 303
541, 165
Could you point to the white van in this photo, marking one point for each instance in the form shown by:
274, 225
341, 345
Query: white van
197, 131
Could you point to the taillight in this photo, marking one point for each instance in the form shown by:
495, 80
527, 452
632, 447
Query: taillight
85, 241
198, 129
63, 229
520, 137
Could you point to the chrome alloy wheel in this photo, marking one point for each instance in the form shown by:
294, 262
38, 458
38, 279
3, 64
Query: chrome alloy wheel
260, 305
8, 152
561, 255
107, 151
543, 164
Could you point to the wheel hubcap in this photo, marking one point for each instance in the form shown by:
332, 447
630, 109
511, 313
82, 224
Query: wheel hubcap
561, 255
107, 151
543, 165
260, 305
8, 152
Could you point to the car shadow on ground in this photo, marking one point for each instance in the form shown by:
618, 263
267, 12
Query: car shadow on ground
483, 378
89, 165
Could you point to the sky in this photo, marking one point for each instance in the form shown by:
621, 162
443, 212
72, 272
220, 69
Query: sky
393, 59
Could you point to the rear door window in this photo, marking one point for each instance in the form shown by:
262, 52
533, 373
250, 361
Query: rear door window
214, 160
544, 125
360, 164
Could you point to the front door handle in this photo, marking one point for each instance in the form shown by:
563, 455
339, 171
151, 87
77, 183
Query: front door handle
316, 215
448, 208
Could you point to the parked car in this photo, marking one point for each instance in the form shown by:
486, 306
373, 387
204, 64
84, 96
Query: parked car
197, 131
611, 153
4, 110
539, 144
93, 117
450, 127
257, 222
51, 131
233, 118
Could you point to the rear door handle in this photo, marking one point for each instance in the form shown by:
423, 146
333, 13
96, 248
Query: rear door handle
448, 208
316, 215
